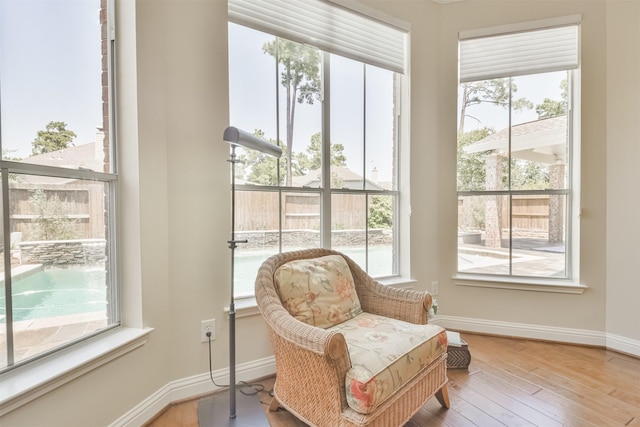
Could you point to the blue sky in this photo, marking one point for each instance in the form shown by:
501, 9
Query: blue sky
50, 68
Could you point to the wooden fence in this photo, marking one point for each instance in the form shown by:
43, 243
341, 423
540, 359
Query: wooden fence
80, 206
529, 213
259, 210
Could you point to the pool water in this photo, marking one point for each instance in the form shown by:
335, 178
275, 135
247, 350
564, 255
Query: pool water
57, 292
248, 263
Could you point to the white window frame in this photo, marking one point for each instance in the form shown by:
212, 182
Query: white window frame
570, 284
29, 381
245, 13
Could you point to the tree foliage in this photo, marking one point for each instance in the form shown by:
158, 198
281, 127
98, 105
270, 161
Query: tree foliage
495, 91
311, 158
553, 108
52, 221
471, 170
256, 167
259, 168
380, 212
55, 137
300, 76
528, 175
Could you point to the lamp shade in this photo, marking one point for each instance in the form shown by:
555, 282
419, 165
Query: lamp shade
235, 136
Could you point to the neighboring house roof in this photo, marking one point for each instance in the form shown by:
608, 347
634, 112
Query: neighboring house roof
85, 156
77, 157
543, 141
345, 176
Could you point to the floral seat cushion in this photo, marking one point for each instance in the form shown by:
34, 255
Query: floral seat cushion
318, 291
386, 353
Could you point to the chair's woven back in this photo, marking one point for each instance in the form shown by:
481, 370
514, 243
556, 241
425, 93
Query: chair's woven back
267, 297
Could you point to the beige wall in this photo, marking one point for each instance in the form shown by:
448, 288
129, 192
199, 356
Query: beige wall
623, 173
170, 136
610, 110
586, 311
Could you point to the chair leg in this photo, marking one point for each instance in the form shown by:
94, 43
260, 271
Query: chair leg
443, 397
274, 405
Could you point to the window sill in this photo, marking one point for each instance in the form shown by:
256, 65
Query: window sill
533, 285
247, 306
398, 282
26, 383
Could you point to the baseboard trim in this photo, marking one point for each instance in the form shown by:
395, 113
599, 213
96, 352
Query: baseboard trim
523, 330
541, 332
190, 387
623, 344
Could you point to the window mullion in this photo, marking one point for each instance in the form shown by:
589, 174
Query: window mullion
7, 267
325, 208
278, 179
364, 166
509, 182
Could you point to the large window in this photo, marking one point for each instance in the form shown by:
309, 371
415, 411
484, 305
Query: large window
336, 118
517, 148
57, 177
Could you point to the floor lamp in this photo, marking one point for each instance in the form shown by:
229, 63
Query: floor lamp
236, 137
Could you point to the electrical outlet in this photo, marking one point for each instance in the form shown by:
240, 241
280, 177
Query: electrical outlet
434, 287
207, 326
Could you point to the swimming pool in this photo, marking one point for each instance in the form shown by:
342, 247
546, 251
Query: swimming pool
248, 263
54, 292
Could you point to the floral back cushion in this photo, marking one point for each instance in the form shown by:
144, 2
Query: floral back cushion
318, 291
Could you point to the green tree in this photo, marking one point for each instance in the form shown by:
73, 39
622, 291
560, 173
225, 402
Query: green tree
553, 108
256, 167
300, 77
528, 175
55, 137
471, 169
52, 221
311, 158
259, 168
494, 91
380, 212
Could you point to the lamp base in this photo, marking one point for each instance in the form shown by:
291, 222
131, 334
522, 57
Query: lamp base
213, 411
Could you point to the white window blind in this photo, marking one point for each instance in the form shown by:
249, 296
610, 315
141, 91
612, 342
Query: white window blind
519, 49
327, 26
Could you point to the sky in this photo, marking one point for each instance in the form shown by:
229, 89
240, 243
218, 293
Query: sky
50, 70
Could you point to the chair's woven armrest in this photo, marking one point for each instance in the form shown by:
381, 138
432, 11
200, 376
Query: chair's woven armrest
317, 340
404, 304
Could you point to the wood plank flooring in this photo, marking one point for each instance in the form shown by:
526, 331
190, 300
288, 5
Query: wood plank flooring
510, 382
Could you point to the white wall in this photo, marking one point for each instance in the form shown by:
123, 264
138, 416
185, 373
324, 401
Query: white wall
623, 174
170, 136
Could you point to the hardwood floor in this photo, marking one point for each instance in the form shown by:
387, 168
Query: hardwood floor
510, 382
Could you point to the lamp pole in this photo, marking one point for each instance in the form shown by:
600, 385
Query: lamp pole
233, 243
235, 137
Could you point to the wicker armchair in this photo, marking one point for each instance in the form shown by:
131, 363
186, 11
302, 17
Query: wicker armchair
311, 362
